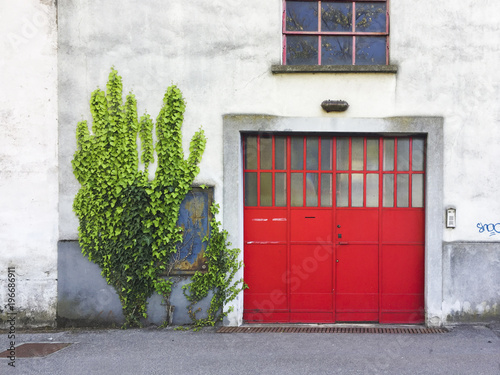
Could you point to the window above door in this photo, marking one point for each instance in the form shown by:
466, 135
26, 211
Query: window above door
332, 33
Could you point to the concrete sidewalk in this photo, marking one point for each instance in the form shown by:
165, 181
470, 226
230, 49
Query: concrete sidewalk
471, 349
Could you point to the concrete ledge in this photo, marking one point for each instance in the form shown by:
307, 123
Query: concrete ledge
284, 69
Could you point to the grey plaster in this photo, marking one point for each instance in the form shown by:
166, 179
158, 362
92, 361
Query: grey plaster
86, 300
471, 288
432, 127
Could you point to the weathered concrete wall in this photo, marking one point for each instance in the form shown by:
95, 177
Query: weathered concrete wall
471, 287
28, 159
220, 53
86, 300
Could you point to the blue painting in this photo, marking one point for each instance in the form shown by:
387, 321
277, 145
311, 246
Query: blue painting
194, 219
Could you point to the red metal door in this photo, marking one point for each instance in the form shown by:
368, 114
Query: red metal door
314, 256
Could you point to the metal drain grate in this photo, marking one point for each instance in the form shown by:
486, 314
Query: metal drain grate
35, 349
404, 330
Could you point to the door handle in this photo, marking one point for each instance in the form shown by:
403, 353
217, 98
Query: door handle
343, 243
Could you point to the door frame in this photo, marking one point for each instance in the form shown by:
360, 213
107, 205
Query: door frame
431, 127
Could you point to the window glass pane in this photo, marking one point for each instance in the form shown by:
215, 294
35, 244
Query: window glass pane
388, 154
312, 153
403, 182
371, 17
326, 190
280, 152
251, 152
372, 154
296, 193
301, 16
251, 189
266, 189
266, 152
358, 154
370, 50
326, 154
297, 152
357, 190
336, 16
342, 190
403, 154
280, 190
372, 190
417, 161
336, 50
311, 189
342, 154
301, 50
388, 190
417, 190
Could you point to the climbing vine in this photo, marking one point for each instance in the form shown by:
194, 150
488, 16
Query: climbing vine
127, 223
222, 264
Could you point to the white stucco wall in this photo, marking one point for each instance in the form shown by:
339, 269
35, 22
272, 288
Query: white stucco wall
220, 53
28, 158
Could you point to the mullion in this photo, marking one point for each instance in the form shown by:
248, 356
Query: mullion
410, 173
258, 171
349, 180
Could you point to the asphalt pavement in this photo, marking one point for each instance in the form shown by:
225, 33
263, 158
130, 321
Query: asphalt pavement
466, 349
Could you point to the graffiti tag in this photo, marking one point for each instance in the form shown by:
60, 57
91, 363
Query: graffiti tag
492, 229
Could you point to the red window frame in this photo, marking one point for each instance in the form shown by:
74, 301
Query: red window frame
319, 33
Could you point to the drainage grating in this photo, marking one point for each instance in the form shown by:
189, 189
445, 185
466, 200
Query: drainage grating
35, 349
404, 330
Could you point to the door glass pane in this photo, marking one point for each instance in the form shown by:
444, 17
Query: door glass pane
297, 192
372, 190
326, 190
403, 154
312, 153
342, 190
417, 161
326, 154
403, 182
388, 154
251, 152
388, 190
311, 189
357, 190
266, 152
372, 154
342, 154
358, 154
280, 189
417, 190
266, 189
250, 189
279, 152
297, 153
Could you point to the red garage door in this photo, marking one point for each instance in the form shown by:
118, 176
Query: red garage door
334, 229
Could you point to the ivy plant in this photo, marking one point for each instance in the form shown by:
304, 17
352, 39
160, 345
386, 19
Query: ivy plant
127, 222
222, 264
